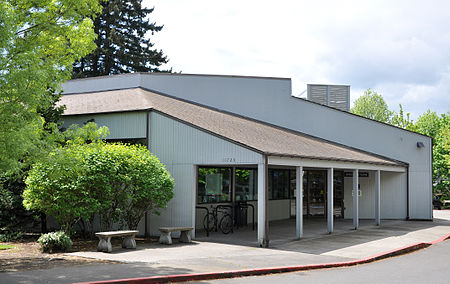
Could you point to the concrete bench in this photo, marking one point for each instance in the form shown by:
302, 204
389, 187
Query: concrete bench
166, 238
104, 243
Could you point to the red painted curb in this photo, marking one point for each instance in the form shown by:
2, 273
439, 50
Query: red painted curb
271, 270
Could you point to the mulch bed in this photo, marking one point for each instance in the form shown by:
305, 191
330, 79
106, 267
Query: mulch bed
26, 255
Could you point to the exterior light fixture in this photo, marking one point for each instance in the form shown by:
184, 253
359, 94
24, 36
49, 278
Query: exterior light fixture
420, 145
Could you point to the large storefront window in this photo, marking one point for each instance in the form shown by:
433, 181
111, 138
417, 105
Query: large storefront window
279, 184
246, 185
214, 185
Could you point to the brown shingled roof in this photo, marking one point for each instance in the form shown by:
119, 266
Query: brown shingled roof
257, 135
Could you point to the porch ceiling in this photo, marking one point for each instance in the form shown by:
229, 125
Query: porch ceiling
256, 135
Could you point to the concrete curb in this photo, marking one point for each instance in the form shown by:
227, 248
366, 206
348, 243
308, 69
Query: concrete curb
271, 270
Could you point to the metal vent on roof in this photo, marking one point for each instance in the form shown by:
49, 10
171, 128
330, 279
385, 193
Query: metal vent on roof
337, 96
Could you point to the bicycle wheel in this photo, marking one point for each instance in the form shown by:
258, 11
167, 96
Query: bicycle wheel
208, 222
226, 224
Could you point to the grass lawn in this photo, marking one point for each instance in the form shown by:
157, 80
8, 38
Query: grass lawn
3, 247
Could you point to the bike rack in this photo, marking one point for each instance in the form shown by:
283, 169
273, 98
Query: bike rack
241, 205
207, 212
232, 214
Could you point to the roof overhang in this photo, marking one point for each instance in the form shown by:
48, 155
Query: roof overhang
270, 140
325, 164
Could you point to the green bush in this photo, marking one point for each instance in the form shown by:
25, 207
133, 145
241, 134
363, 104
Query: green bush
7, 236
117, 182
56, 241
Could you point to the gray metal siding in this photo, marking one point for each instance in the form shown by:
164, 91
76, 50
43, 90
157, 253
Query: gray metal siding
180, 147
273, 103
270, 100
393, 196
121, 125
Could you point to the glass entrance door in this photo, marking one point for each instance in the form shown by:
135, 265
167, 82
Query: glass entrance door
316, 192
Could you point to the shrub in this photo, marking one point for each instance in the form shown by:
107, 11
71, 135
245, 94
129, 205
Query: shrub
56, 241
116, 182
7, 236
53, 187
128, 181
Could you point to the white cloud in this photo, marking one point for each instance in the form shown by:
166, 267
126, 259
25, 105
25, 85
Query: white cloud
399, 48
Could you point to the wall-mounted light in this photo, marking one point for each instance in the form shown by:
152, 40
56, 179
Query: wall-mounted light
420, 145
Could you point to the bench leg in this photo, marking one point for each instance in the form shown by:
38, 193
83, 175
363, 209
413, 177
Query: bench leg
185, 237
104, 244
165, 238
129, 242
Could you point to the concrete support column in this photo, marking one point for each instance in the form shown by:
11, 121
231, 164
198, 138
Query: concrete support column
330, 199
355, 199
299, 202
377, 198
262, 205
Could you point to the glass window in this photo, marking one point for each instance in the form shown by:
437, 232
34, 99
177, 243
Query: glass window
246, 185
214, 185
278, 184
338, 194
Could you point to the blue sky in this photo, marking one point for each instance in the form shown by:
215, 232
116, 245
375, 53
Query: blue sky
400, 49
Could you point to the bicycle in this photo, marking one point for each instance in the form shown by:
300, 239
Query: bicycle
210, 222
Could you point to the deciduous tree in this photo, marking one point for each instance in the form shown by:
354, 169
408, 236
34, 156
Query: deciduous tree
39, 41
372, 105
437, 127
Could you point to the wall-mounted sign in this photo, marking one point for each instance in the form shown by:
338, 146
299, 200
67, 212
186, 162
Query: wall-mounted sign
360, 174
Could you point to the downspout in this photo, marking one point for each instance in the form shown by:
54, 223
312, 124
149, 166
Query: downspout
407, 192
147, 140
431, 176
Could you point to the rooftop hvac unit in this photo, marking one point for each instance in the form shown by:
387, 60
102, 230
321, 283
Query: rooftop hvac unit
337, 96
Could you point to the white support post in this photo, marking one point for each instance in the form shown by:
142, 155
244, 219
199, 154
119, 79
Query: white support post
330, 205
377, 198
194, 200
299, 202
262, 204
355, 199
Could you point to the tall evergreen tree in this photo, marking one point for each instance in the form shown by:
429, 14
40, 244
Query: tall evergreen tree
123, 43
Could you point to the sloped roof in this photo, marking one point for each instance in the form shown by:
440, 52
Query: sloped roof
261, 137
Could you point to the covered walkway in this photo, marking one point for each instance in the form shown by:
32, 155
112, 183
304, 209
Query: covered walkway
284, 231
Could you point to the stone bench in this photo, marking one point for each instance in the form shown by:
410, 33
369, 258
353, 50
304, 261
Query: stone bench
166, 238
104, 243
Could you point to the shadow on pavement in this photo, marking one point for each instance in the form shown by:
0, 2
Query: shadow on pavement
82, 273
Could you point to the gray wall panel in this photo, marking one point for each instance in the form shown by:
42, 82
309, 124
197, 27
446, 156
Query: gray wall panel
180, 147
393, 196
121, 125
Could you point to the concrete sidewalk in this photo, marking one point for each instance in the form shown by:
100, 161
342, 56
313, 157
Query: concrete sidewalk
345, 245
213, 255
